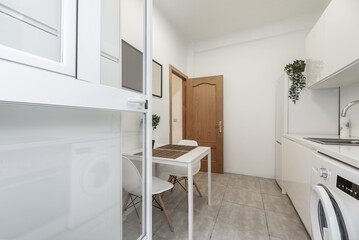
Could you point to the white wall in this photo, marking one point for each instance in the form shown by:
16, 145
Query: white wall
349, 94
169, 47
251, 63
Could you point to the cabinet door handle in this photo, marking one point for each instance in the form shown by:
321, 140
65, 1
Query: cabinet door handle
138, 101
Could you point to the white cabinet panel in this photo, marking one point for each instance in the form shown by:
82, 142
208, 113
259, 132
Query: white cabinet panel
278, 164
110, 43
88, 40
110, 72
297, 164
110, 28
316, 53
280, 102
342, 33
331, 46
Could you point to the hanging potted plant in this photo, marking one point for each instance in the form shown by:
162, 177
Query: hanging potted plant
295, 73
155, 122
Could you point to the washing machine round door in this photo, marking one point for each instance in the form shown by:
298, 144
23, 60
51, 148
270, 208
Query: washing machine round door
327, 220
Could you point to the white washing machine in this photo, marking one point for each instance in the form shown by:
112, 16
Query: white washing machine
334, 202
95, 179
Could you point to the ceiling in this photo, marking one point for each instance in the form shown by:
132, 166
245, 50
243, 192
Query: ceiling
202, 19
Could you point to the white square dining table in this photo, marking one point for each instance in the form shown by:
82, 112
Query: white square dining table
187, 160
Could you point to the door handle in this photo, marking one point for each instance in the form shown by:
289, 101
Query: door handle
220, 126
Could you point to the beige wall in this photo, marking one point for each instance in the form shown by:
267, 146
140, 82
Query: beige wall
176, 109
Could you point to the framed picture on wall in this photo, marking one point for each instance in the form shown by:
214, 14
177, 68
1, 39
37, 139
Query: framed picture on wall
156, 79
132, 70
132, 64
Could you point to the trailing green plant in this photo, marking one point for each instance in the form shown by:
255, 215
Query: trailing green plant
295, 74
155, 121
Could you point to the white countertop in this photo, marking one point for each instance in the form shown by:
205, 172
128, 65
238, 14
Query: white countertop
346, 154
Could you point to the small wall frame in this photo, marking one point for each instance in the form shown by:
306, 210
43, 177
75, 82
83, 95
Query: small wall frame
156, 79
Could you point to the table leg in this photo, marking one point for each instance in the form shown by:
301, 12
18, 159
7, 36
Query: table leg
209, 177
190, 202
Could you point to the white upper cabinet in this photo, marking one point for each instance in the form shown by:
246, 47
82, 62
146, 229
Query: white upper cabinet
65, 53
332, 46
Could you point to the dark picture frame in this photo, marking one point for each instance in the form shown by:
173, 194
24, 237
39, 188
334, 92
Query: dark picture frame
156, 79
132, 70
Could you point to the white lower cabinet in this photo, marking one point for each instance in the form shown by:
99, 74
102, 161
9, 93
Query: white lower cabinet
297, 164
278, 164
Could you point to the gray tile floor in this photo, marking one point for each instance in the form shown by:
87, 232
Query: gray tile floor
243, 208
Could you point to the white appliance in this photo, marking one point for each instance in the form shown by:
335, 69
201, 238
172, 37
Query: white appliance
334, 202
316, 112
54, 188
94, 179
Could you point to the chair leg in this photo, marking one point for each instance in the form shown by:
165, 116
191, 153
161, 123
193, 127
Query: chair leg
165, 212
199, 192
169, 180
174, 182
125, 203
140, 218
186, 186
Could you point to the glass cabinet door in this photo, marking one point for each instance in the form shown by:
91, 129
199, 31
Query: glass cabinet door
64, 174
66, 170
133, 177
40, 33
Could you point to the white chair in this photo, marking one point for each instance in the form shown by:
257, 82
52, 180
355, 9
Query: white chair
177, 173
132, 184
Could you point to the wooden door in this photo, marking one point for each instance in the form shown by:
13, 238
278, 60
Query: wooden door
204, 108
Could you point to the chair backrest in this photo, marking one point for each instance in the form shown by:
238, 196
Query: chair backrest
197, 167
188, 142
131, 178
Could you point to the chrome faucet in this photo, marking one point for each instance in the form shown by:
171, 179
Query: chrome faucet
349, 105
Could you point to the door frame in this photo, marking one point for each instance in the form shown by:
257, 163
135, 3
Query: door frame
184, 77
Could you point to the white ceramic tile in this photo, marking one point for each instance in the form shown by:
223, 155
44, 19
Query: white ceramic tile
225, 231
243, 217
240, 196
284, 227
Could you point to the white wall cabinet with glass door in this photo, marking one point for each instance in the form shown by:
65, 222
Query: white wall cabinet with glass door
61, 52
60, 64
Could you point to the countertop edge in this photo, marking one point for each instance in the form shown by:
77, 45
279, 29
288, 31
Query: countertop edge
346, 154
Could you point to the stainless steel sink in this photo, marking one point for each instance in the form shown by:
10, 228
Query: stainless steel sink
335, 141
